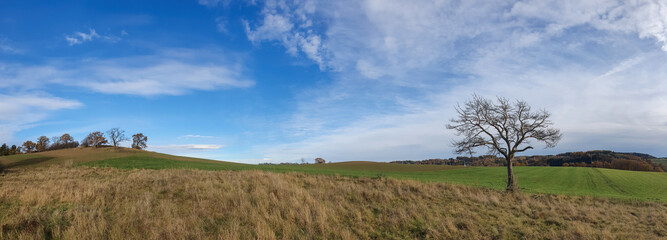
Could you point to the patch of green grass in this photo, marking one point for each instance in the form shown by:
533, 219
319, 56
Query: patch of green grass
595, 182
148, 162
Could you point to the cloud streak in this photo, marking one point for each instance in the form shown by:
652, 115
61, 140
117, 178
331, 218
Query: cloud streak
187, 147
21, 110
79, 37
175, 72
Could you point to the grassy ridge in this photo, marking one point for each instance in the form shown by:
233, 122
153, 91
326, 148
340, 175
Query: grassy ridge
108, 203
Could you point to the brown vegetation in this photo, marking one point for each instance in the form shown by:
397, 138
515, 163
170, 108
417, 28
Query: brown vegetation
89, 203
139, 141
598, 159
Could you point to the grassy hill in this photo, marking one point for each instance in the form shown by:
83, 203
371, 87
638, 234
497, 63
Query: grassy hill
108, 203
651, 186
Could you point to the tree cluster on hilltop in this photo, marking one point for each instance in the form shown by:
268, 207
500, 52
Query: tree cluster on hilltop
598, 158
95, 139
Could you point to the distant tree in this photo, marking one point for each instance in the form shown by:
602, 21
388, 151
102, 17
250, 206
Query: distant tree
42, 143
116, 136
55, 143
85, 141
96, 139
320, 160
14, 150
4, 150
66, 139
139, 141
29, 146
503, 128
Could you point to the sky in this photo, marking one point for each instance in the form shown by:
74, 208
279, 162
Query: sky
372, 80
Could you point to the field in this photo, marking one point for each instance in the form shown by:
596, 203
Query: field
107, 203
596, 182
122, 193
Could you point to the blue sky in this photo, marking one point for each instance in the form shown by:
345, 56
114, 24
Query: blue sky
275, 81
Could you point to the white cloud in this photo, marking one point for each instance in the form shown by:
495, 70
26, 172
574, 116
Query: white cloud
187, 147
21, 110
172, 72
163, 78
6, 47
197, 136
596, 65
79, 37
292, 25
647, 18
221, 24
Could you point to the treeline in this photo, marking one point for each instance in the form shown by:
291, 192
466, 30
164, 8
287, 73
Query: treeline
95, 139
599, 159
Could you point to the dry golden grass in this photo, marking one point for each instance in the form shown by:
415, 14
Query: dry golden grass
89, 203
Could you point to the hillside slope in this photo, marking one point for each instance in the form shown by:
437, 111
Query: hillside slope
77, 156
597, 182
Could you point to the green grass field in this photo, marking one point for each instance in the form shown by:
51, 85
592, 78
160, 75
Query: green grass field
594, 182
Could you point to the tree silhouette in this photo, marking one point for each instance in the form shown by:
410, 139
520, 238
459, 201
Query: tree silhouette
116, 136
503, 127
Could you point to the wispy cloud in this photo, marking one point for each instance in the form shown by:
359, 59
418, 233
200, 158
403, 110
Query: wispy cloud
174, 72
21, 110
221, 24
187, 147
6, 47
213, 3
80, 37
198, 136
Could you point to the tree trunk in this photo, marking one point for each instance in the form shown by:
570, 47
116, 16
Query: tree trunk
511, 184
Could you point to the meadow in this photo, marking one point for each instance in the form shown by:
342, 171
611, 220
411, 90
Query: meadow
576, 181
83, 202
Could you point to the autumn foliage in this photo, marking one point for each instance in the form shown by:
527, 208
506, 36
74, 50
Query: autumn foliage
599, 159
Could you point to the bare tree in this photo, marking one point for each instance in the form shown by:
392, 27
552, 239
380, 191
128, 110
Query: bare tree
116, 136
139, 141
503, 127
96, 139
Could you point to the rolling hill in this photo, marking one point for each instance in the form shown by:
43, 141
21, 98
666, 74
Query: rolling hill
598, 182
123, 193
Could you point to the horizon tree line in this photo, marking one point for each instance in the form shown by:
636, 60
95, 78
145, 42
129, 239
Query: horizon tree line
93, 139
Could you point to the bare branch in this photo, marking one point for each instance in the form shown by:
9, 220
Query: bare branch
502, 126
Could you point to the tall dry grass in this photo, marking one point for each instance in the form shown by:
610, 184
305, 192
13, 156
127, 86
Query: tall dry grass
88, 203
